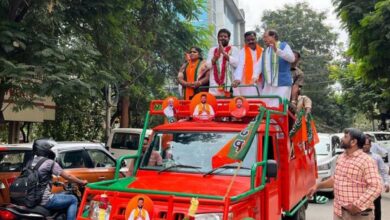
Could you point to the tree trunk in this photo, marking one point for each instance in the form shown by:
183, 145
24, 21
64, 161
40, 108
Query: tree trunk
13, 132
125, 119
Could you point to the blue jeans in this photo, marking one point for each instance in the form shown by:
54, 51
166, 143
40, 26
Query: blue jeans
62, 201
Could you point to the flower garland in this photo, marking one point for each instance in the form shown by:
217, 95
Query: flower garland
220, 75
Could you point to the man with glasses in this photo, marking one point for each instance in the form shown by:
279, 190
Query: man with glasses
383, 169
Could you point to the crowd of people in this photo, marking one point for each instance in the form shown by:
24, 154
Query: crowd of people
249, 72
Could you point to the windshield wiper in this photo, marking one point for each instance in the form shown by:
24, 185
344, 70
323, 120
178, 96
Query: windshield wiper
178, 166
225, 167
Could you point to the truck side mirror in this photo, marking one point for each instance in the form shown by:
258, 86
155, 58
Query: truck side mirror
272, 169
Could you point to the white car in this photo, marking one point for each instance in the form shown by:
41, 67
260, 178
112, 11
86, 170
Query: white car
326, 156
382, 138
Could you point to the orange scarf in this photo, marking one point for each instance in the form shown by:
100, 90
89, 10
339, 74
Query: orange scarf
203, 108
191, 73
248, 68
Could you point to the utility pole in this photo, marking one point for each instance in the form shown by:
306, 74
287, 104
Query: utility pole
109, 105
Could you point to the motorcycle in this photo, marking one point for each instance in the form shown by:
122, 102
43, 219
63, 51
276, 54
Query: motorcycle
18, 212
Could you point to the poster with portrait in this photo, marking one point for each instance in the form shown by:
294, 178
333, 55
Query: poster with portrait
203, 106
169, 107
238, 107
140, 207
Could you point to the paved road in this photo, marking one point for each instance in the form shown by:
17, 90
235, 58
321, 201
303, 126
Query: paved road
325, 211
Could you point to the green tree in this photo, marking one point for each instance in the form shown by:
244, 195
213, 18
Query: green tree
70, 50
367, 25
304, 30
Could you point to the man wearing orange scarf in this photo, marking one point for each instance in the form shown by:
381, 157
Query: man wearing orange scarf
245, 74
139, 213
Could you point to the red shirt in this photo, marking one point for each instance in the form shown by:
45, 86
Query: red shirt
356, 181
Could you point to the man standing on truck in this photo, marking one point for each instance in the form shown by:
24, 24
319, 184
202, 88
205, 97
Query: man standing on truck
222, 60
275, 68
245, 73
297, 75
382, 168
356, 180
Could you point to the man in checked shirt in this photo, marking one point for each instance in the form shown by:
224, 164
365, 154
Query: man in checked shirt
356, 180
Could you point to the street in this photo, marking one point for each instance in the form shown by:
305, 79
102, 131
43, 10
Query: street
325, 211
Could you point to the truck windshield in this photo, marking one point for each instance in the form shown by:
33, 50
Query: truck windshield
191, 149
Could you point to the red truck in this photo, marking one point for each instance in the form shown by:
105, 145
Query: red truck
271, 183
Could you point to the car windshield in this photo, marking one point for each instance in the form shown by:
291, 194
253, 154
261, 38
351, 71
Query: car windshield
13, 161
191, 149
323, 147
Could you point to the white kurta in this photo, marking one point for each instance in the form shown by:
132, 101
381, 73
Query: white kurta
268, 89
239, 74
233, 61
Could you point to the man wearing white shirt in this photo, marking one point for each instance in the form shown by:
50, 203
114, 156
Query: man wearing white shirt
383, 171
245, 74
222, 60
275, 68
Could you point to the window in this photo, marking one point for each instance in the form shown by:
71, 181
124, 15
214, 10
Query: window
100, 159
125, 141
382, 137
193, 149
13, 161
71, 159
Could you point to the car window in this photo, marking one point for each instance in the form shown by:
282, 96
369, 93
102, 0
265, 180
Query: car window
12, 161
100, 158
382, 137
125, 141
323, 147
71, 159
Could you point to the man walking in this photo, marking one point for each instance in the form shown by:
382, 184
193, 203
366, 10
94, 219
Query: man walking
275, 68
382, 168
222, 60
356, 180
245, 73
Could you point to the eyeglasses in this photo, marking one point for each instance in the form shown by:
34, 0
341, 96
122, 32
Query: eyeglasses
193, 51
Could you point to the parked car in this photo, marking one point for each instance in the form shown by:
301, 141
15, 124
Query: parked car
383, 139
326, 155
12, 161
85, 160
123, 141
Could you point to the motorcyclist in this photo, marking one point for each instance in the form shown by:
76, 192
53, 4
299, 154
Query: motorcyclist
51, 201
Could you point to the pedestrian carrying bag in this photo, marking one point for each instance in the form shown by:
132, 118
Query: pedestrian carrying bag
27, 189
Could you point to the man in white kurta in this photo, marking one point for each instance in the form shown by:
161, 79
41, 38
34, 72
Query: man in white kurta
221, 75
275, 68
245, 75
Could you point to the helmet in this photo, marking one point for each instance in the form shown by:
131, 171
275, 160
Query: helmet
42, 147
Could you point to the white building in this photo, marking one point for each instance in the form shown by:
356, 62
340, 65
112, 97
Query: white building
224, 14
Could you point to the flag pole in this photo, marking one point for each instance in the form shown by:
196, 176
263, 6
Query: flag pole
233, 179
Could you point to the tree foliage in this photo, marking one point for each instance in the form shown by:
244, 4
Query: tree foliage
70, 50
304, 30
368, 25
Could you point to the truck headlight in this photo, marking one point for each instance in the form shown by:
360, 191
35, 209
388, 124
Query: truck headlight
212, 216
324, 166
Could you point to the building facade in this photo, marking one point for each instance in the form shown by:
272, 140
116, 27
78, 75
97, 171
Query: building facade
224, 14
